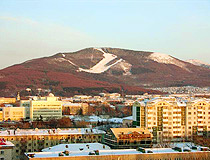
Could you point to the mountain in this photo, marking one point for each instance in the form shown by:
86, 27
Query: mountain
198, 63
95, 70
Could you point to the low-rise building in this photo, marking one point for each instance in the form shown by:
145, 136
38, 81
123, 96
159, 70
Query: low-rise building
13, 113
128, 121
29, 140
122, 138
6, 148
7, 100
75, 108
175, 153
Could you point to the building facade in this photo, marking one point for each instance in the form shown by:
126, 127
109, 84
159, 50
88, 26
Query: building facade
170, 119
13, 113
75, 108
122, 138
198, 118
35, 140
6, 149
45, 108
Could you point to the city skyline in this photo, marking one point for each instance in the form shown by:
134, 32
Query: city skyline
33, 29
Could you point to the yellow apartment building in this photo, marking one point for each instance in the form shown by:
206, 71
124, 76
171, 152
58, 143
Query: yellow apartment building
198, 118
164, 117
171, 119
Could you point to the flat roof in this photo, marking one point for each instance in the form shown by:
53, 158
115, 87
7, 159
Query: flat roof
105, 152
67, 131
77, 147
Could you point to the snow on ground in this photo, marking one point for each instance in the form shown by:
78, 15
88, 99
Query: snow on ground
197, 62
126, 67
102, 66
64, 60
128, 118
164, 58
115, 120
76, 147
96, 119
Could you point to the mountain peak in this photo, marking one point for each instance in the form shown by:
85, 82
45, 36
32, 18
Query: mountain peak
102, 69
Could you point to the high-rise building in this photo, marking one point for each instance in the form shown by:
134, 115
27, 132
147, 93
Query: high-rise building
170, 118
198, 117
163, 117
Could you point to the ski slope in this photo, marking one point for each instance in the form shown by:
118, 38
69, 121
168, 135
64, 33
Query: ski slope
102, 66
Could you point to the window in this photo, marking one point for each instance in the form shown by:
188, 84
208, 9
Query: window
1, 152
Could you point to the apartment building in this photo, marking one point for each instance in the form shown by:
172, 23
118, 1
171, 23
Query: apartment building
29, 140
198, 117
171, 119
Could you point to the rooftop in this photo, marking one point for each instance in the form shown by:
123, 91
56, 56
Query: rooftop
119, 131
5, 144
58, 131
107, 152
77, 147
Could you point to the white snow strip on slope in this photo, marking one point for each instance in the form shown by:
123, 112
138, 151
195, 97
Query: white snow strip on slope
164, 58
126, 67
63, 59
102, 66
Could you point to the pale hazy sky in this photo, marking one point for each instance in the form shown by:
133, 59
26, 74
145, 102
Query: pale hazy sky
38, 28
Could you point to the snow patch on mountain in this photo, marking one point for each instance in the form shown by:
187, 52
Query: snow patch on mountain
102, 66
65, 60
197, 62
126, 67
166, 59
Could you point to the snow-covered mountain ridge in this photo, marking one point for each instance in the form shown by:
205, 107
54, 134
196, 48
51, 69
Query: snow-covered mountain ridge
198, 63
